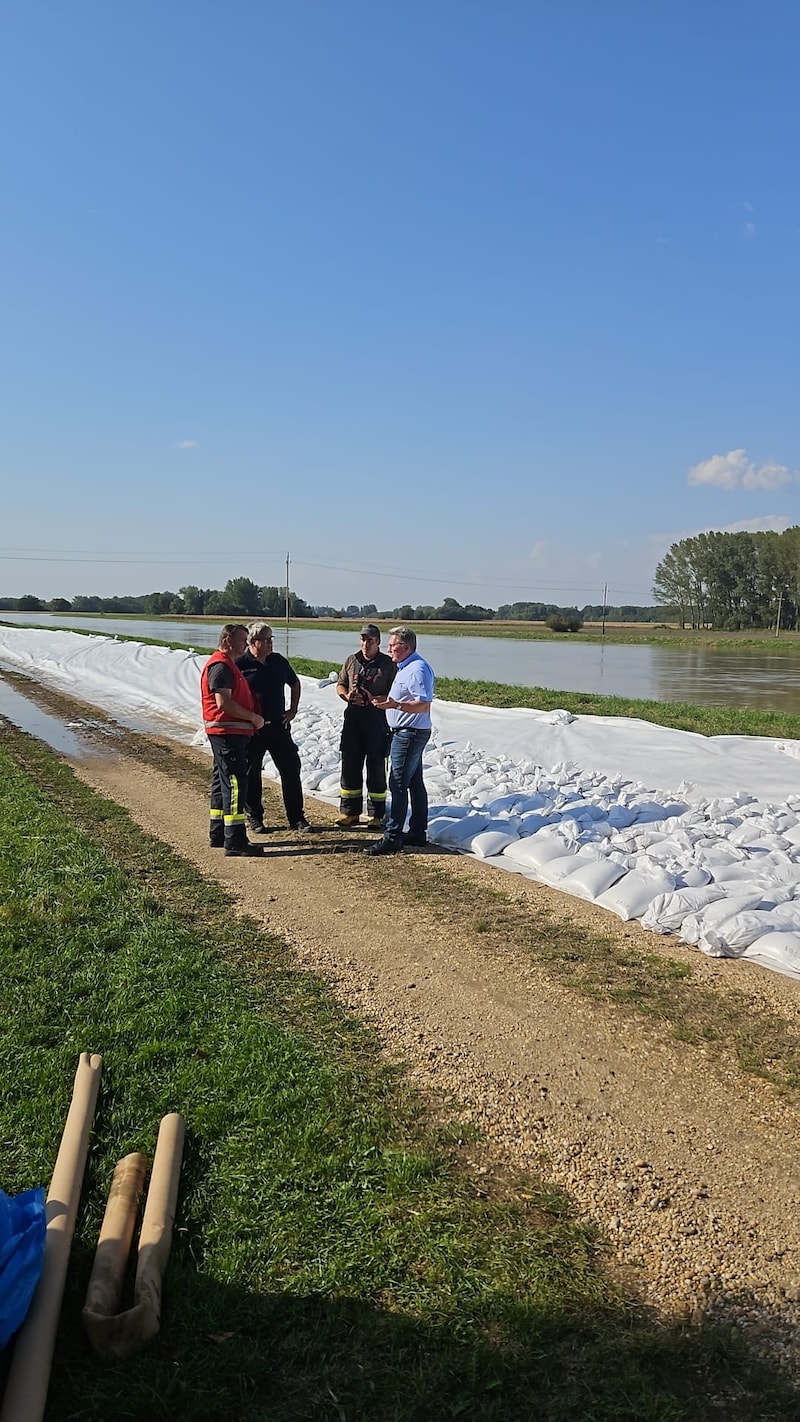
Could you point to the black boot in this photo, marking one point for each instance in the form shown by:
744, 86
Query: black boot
384, 846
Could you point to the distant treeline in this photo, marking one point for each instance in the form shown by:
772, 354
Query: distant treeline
243, 598
733, 580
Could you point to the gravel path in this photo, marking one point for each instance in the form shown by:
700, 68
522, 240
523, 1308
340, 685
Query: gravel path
688, 1165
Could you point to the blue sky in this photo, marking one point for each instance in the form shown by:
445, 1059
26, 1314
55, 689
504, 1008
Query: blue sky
490, 300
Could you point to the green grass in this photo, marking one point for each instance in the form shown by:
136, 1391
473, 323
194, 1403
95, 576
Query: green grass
334, 1258
705, 720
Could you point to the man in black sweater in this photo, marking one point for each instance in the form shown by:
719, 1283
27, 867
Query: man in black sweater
365, 735
268, 674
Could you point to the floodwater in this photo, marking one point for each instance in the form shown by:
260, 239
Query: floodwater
760, 680
27, 716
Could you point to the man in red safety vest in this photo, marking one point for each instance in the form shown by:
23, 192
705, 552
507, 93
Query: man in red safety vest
230, 718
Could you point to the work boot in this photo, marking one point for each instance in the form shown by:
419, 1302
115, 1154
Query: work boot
384, 846
376, 822
244, 851
347, 821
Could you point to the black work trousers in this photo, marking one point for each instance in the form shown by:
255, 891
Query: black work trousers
276, 738
228, 781
365, 737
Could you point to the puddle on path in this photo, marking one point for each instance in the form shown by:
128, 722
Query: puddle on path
61, 737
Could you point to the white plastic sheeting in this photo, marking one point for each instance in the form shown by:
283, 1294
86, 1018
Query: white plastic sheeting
651, 823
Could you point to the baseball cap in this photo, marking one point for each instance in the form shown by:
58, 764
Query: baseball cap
370, 630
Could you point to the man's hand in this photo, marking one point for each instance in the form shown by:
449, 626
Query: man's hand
288, 717
236, 712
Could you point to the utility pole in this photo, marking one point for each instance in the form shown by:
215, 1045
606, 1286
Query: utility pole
778, 618
605, 602
287, 604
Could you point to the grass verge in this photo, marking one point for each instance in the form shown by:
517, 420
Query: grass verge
333, 1259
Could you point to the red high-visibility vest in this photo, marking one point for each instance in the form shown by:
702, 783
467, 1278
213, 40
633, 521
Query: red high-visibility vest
215, 719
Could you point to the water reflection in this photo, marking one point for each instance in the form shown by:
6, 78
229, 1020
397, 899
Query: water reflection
27, 716
763, 681
651, 673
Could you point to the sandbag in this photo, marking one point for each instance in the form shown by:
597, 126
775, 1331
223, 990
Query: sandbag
491, 842
731, 937
455, 834
667, 911
630, 896
555, 871
535, 850
712, 915
593, 878
779, 950
694, 877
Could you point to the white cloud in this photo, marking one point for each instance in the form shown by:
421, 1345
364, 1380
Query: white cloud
186, 444
538, 554
735, 471
768, 523
749, 229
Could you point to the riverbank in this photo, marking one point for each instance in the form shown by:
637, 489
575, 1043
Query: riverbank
640, 634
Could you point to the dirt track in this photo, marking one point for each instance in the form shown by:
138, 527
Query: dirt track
687, 1164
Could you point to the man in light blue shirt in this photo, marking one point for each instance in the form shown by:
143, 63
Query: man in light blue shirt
408, 713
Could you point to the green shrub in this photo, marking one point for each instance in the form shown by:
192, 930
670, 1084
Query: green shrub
561, 623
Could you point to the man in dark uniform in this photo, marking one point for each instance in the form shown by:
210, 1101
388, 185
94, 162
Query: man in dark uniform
230, 717
365, 734
268, 674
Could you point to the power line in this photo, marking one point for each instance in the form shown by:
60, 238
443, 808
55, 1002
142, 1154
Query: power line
405, 575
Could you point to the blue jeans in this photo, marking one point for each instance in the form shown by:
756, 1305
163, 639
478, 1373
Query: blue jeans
405, 778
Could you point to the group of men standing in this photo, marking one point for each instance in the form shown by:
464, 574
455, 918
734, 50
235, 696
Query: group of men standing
387, 714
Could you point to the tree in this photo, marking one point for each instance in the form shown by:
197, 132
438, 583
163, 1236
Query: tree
81, 603
58, 604
193, 600
29, 603
242, 597
273, 601
732, 579
215, 605
156, 604
450, 611
673, 583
